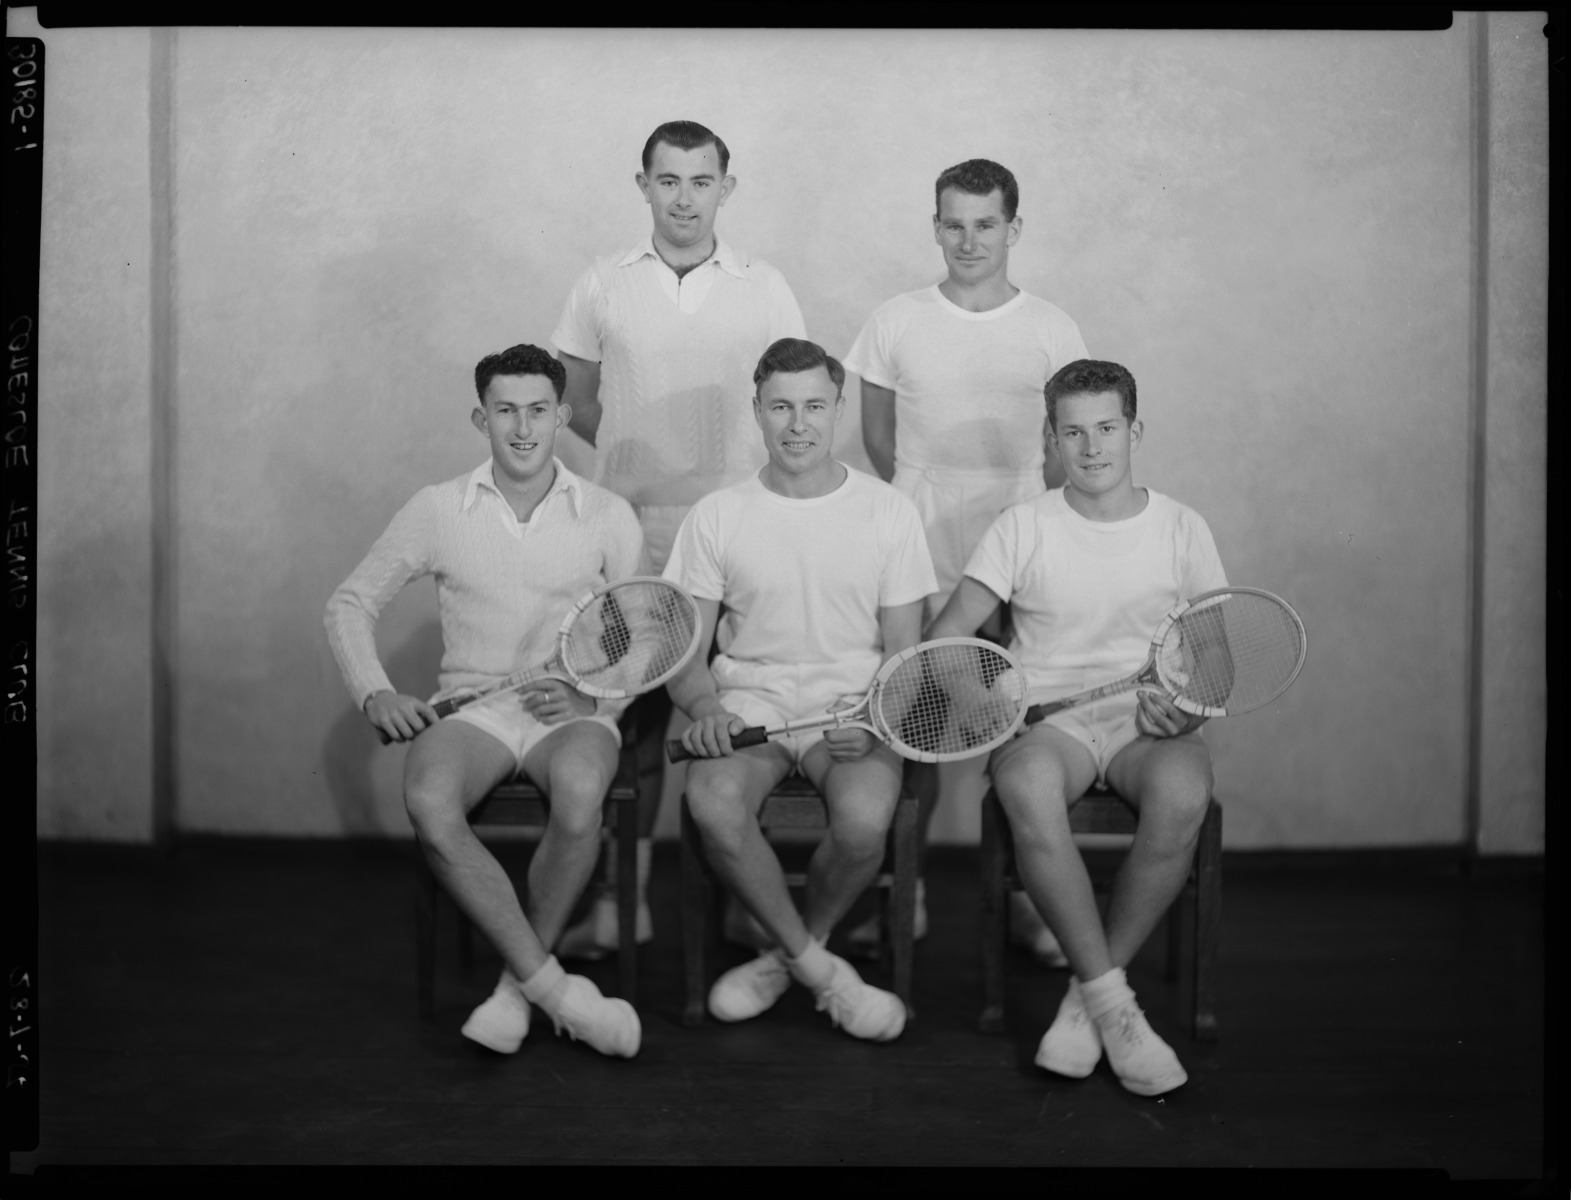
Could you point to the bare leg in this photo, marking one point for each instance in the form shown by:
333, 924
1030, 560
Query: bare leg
861, 798
1037, 776
724, 795
573, 765
450, 768
1169, 781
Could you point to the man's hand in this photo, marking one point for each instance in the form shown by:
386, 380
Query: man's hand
710, 736
849, 744
551, 701
399, 718
1158, 717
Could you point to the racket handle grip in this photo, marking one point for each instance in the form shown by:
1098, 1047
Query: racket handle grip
446, 708
753, 735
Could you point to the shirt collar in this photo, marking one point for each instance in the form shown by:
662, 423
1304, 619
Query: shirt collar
724, 257
484, 476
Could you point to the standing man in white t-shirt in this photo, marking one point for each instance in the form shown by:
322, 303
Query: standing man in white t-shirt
952, 381
813, 575
1091, 569
659, 343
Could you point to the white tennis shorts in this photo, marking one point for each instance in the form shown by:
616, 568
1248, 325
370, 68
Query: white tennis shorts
1104, 727
503, 716
770, 695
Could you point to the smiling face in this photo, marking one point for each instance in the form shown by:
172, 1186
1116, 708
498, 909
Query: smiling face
684, 190
1094, 441
520, 415
975, 236
798, 412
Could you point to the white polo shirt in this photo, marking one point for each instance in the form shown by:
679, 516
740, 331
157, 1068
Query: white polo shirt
676, 367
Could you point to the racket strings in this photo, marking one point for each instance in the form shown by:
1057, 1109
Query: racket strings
1236, 652
631, 636
951, 700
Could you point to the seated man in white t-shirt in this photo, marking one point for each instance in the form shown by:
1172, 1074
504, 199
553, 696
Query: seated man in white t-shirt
1089, 571
812, 575
512, 545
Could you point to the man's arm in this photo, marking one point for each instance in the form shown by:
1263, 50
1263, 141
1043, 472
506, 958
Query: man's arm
582, 395
695, 693
972, 603
878, 428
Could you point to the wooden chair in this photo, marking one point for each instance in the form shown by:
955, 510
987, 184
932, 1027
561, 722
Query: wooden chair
1195, 917
796, 804
519, 804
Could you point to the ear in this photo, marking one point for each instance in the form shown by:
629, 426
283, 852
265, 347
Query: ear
477, 418
1137, 429
643, 184
937, 237
564, 414
1013, 235
727, 186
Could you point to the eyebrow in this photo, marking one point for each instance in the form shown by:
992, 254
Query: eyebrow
675, 175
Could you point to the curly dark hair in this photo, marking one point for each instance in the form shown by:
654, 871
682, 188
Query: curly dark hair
790, 355
522, 359
685, 135
979, 177
1089, 375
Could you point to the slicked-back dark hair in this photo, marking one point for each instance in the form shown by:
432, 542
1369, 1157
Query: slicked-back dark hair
522, 359
979, 177
1093, 376
791, 355
685, 135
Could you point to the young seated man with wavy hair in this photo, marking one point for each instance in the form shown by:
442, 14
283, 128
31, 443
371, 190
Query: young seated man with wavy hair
1090, 569
812, 575
513, 545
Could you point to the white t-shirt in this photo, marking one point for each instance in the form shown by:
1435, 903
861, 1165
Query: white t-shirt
676, 367
1087, 595
968, 385
801, 581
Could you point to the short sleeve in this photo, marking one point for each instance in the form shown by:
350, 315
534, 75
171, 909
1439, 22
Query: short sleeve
785, 315
871, 355
997, 561
1071, 346
1202, 565
696, 563
578, 332
907, 573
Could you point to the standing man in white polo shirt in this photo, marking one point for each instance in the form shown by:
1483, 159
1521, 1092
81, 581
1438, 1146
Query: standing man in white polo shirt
952, 415
659, 344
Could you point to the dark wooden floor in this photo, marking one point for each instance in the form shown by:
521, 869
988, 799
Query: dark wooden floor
254, 1002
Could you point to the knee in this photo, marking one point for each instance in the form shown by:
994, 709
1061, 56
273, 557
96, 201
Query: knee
860, 835
436, 815
1038, 817
719, 811
578, 790
1177, 800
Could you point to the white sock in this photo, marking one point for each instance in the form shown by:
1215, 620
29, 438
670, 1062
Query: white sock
545, 984
814, 967
1106, 992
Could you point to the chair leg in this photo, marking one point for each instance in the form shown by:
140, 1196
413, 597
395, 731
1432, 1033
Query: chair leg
627, 899
696, 930
995, 915
466, 941
425, 935
1208, 934
902, 915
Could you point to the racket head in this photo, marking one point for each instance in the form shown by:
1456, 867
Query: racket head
628, 637
1229, 651
948, 699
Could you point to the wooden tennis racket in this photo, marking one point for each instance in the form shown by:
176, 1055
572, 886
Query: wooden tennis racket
945, 699
1223, 653
620, 640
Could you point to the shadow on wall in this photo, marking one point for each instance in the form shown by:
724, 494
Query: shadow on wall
351, 748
